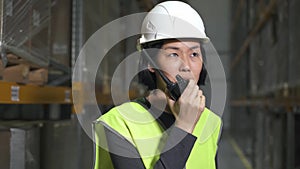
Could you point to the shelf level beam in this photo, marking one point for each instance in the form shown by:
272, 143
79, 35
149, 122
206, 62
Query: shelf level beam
13, 93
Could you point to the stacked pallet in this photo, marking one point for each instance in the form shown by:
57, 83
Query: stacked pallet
34, 33
21, 71
25, 41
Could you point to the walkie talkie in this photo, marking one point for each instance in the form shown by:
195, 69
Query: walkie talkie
175, 89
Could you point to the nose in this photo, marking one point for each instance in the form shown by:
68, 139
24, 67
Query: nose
184, 66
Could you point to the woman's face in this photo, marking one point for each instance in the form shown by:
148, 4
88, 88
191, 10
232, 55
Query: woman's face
180, 57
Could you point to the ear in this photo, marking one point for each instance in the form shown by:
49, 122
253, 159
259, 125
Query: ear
150, 68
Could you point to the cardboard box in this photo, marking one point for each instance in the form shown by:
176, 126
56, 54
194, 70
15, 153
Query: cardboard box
18, 73
22, 74
38, 77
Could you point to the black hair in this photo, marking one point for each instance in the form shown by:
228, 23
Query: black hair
148, 78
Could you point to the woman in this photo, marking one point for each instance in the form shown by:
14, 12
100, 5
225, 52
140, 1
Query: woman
160, 131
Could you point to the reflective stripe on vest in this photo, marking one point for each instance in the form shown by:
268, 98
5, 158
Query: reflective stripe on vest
134, 123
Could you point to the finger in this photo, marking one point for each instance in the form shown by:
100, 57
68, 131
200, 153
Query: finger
202, 103
171, 102
200, 92
197, 98
197, 91
190, 89
172, 105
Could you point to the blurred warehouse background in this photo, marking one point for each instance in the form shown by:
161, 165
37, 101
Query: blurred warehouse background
41, 39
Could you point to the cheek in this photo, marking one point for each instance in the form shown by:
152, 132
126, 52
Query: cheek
196, 69
171, 66
170, 71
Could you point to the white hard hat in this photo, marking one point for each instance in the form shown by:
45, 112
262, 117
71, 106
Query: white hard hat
172, 20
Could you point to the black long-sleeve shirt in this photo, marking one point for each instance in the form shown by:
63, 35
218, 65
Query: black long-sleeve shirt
171, 158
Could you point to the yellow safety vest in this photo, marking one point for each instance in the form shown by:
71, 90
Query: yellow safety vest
133, 122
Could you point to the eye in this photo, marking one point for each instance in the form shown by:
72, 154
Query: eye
195, 54
173, 55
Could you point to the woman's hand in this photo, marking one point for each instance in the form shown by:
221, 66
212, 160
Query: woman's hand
189, 107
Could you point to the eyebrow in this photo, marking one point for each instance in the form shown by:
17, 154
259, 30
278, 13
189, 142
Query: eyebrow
195, 47
176, 48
